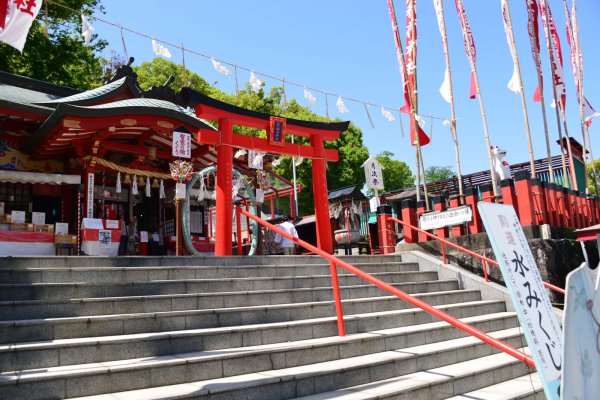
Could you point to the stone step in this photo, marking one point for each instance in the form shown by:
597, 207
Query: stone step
145, 274
54, 291
60, 352
53, 329
105, 325
179, 261
34, 309
270, 382
435, 383
526, 387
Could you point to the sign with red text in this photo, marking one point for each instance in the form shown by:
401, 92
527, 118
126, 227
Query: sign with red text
529, 296
182, 144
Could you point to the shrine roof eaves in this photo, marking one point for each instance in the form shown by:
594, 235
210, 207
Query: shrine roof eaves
98, 94
130, 107
26, 108
194, 98
36, 85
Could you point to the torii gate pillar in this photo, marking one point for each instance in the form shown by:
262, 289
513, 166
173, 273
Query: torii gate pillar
319, 175
223, 228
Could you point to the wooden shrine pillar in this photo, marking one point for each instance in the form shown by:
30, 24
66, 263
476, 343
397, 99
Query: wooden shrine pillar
471, 199
319, 175
439, 204
509, 195
525, 198
224, 220
409, 215
456, 230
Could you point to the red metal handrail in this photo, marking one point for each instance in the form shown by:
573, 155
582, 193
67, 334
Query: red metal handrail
485, 260
333, 261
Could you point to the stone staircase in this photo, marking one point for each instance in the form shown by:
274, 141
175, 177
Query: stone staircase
248, 328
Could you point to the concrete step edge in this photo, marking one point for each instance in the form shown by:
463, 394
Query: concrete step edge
342, 364
508, 390
108, 340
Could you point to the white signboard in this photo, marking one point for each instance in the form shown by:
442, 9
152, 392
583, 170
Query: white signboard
91, 223
104, 238
38, 218
529, 296
112, 224
182, 144
180, 190
90, 196
196, 221
144, 236
17, 217
255, 159
373, 173
61, 228
439, 219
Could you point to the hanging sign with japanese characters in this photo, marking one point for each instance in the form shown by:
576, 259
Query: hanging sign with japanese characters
453, 216
373, 173
277, 131
528, 294
182, 144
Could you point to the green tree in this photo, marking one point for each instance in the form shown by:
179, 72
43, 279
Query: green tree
437, 174
396, 174
352, 153
61, 58
591, 184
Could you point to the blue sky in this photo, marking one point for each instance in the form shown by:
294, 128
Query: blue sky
346, 47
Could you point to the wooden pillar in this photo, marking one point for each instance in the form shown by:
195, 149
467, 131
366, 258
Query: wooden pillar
487, 192
568, 215
223, 228
272, 203
420, 211
525, 198
509, 196
560, 206
547, 203
409, 215
553, 194
456, 230
439, 204
292, 207
320, 195
471, 199
386, 230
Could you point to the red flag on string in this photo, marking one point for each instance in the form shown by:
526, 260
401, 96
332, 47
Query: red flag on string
3, 13
469, 43
576, 66
556, 64
532, 28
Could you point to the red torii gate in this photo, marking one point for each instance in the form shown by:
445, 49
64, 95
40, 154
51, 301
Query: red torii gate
224, 140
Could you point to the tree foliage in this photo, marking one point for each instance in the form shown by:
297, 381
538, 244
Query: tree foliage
352, 153
396, 174
437, 174
591, 183
61, 58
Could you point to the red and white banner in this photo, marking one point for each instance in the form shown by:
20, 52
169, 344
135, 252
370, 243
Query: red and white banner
17, 19
514, 84
556, 60
445, 89
532, 28
411, 48
576, 65
469, 43
407, 108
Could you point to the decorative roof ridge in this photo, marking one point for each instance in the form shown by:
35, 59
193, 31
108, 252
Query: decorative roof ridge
36, 84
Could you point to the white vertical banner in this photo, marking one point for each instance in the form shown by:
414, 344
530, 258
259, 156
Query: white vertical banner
373, 173
90, 196
528, 294
182, 144
18, 19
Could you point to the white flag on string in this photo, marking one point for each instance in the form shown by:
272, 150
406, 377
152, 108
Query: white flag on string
19, 17
160, 50
308, 96
86, 30
255, 83
220, 67
341, 106
513, 84
445, 88
387, 115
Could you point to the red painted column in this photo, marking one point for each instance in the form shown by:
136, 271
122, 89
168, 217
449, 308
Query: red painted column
320, 195
553, 195
580, 210
224, 220
568, 215
548, 203
292, 207
386, 230
594, 203
409, 215
560, 206
456, 230
539, 202
487, 192
420, 211
509, 195
439, 204
524, 198
272, 208
471, 199
574, 210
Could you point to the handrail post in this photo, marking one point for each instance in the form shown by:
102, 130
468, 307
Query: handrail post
238, 232
337, 299
444, 253
385, 228
485, 270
